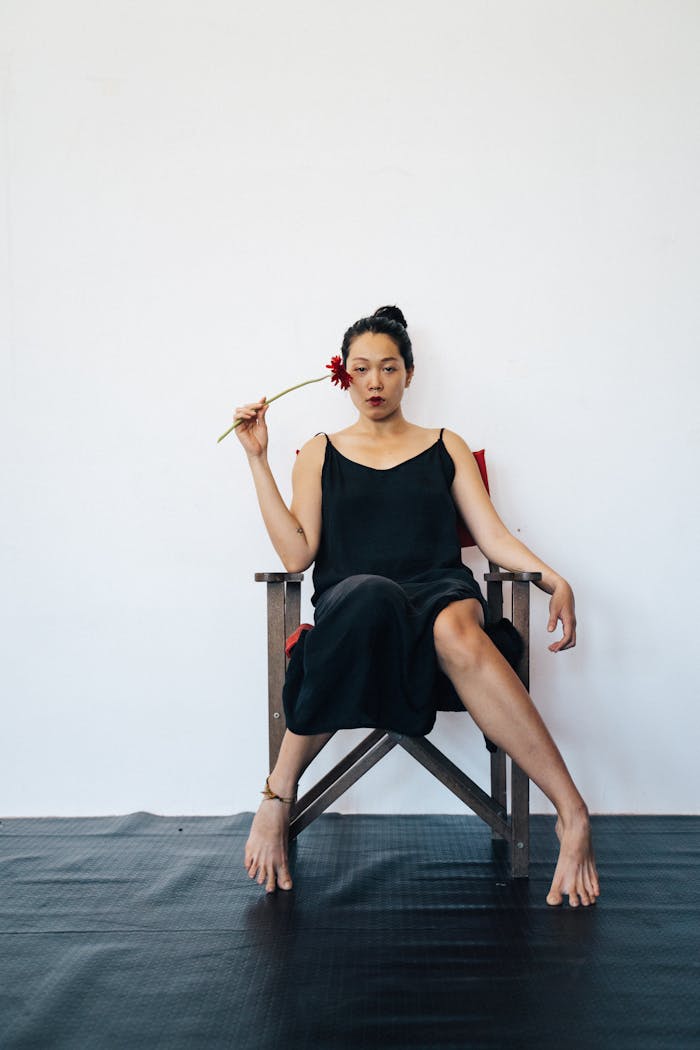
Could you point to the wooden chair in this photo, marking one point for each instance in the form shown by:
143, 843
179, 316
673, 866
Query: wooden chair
283, 618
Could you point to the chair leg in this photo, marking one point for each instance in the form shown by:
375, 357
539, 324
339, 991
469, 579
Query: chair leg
519, 822
519, 782
283, 617
276, 667
499, 790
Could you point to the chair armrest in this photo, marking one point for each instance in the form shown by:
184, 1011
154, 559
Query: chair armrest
279, 577
520, 609
521, 577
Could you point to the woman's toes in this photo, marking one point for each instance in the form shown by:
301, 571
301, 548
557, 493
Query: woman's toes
284, 879
587, 895
555, 898
271, 884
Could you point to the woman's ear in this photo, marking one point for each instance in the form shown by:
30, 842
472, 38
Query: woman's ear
409, 375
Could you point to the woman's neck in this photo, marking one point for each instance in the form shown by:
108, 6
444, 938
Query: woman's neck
381, 429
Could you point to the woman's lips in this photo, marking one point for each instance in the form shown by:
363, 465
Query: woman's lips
375, 400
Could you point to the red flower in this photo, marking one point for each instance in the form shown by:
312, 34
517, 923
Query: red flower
338, 373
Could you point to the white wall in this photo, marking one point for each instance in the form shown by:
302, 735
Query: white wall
197, 200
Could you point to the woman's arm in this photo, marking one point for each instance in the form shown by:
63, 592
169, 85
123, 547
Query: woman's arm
295, 533
499, 545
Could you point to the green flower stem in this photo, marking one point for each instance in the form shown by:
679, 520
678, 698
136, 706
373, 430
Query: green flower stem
268, 401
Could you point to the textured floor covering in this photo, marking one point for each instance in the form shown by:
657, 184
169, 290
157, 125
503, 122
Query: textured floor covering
401, 932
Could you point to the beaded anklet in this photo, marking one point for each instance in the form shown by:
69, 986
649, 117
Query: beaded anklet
267, 792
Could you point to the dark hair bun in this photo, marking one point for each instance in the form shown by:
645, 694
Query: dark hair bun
387, 320
392, 313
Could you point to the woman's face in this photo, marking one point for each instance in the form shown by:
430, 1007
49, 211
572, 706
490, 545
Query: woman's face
379, 375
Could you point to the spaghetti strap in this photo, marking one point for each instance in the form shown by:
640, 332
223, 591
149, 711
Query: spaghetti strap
442, 430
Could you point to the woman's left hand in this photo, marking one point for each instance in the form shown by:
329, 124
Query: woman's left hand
561, 607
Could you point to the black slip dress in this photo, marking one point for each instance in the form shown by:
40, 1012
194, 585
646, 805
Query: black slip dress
389, 561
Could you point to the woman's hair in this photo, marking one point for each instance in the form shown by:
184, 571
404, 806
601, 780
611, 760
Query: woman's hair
390, 321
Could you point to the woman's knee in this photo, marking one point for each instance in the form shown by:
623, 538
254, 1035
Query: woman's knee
460, 640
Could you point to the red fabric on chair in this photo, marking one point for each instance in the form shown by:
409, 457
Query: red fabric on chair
465, 537
294, 638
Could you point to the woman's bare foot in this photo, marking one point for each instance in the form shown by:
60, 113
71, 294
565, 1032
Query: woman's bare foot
266, 849
575, 873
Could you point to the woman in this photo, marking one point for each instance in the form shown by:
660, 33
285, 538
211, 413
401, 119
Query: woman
395, 610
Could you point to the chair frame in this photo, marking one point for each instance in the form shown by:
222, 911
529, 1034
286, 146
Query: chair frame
283, 617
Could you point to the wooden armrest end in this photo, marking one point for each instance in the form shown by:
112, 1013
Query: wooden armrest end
279, 577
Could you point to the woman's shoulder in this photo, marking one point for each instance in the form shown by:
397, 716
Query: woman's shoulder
312, 452
454, 443
315, 444
459, 452
317, 441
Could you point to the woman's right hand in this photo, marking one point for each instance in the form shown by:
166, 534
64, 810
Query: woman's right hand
252, 431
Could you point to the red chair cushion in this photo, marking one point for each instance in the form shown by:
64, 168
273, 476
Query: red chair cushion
294, 638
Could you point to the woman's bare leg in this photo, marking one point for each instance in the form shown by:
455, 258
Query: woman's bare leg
266, 849
501, 706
